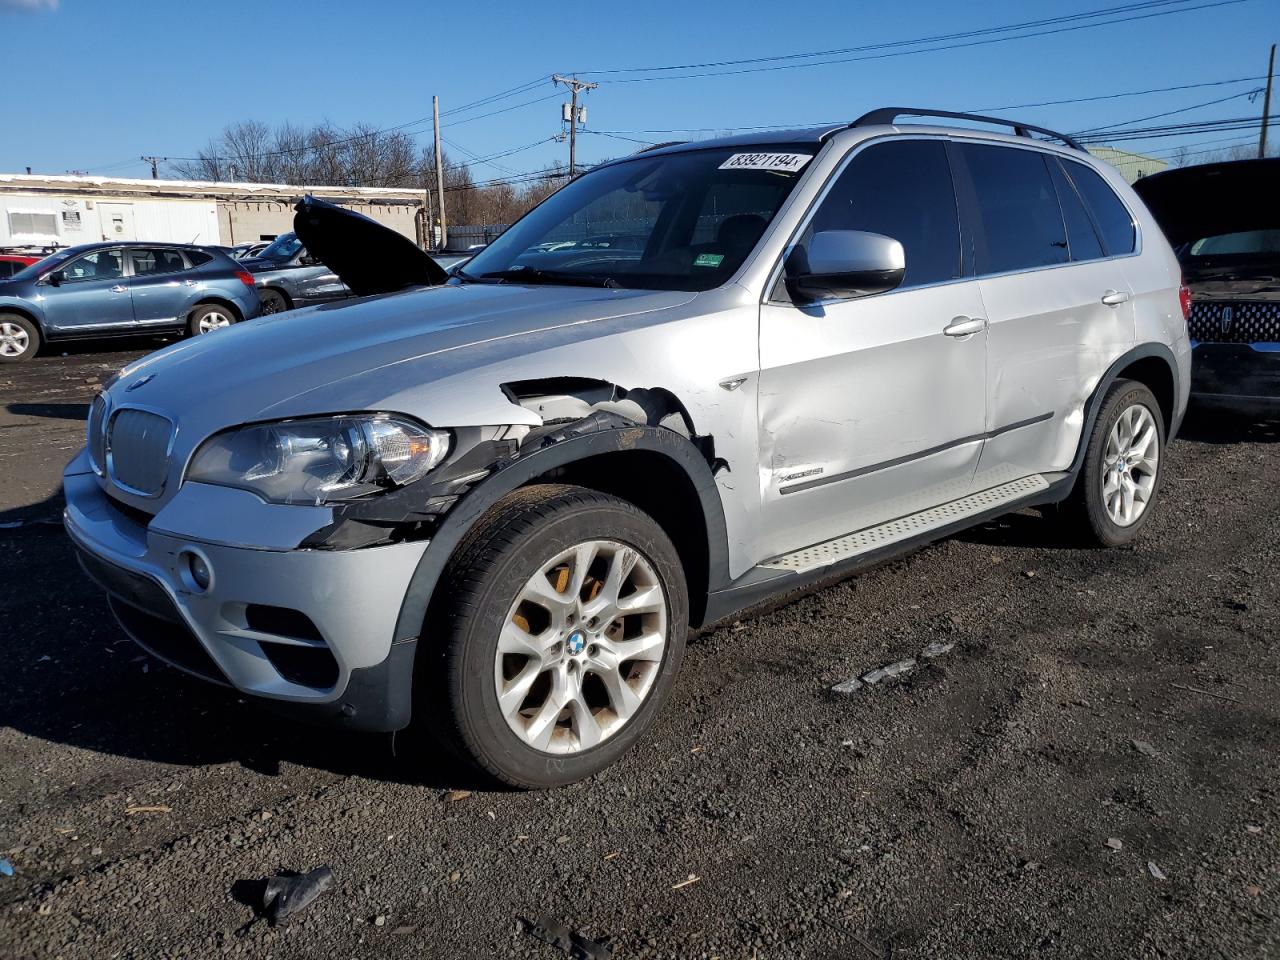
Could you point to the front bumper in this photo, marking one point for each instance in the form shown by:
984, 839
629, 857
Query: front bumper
1238, 374
308, 632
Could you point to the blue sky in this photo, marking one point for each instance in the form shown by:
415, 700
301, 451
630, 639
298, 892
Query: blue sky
107, 82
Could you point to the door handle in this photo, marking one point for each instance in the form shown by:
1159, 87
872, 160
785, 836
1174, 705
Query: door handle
964, 326
1113, 298
119, 288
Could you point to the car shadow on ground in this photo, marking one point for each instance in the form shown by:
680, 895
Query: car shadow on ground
73, 677
77, 412
1226, 424
57, 349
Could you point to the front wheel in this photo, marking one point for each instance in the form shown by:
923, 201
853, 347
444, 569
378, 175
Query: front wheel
1119, 483
567, 621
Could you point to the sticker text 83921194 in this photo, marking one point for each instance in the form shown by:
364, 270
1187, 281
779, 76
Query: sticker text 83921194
782, 162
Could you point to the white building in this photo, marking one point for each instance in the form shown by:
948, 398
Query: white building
63, 211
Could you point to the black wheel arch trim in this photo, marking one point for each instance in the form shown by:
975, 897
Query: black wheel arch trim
455, 525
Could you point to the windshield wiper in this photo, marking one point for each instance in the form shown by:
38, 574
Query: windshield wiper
525, 274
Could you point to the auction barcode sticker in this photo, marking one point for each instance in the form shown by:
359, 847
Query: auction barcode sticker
785, 162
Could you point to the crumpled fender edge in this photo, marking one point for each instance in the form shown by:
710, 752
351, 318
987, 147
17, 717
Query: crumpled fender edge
459, 520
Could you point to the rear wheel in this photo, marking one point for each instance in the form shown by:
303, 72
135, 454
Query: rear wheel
273, 301
566, 629
19, 338
209, 317
1119, 483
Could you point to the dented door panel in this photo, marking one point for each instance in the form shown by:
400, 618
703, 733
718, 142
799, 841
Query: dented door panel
868, 411
1049, 339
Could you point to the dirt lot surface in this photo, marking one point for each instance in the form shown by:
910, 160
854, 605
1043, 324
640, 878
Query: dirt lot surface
1092, 770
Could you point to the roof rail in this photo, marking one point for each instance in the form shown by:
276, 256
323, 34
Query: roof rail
889, 115
659, 146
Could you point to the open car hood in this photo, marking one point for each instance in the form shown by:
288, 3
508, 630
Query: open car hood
1212, 199
368, 257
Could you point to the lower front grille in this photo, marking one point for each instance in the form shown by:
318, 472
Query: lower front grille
1235, 321
133, 588
170, 641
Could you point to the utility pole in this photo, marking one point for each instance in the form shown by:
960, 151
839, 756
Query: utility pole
1266, 104
575, 85
155, 175
444, 227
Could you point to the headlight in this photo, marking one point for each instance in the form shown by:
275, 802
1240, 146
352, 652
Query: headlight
320, 460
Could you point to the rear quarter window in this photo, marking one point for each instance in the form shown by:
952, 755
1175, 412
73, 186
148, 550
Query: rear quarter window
1119, 235
198, 258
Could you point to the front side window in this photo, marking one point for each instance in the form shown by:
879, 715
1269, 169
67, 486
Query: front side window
1019, 222
99, 265
1119, 235
678, 221
901, 190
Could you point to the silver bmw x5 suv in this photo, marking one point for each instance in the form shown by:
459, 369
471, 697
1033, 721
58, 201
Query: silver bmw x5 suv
694, 378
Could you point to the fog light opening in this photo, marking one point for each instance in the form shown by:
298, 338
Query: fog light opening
196, 571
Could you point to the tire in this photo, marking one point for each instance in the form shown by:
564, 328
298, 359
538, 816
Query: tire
19, 338
1096, 509
273, 301
561, 717
208, 317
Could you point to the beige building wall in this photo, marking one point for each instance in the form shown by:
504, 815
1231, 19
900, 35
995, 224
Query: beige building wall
240, 221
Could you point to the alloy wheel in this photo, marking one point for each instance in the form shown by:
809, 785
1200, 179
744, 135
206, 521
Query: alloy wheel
1129, 465
14, 341
213, 320
581, 647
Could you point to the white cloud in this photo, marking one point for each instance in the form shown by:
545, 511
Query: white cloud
28, 6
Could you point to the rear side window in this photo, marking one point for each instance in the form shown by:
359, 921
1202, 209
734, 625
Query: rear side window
150, 261
1081, 236
8, 268
1019, 221
901, 190
198, 258
1114, 223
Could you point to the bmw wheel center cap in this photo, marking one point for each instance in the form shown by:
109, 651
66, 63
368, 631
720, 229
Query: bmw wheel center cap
576, 643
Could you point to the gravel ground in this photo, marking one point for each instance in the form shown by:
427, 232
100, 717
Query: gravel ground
1090, 771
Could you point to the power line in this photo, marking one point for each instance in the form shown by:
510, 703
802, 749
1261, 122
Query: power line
840, 51
1170, 113
621, 134
983, 41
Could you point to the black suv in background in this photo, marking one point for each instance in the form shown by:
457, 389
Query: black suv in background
1223, 220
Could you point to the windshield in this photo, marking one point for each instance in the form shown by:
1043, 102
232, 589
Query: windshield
40, 267
283, 247
681, 221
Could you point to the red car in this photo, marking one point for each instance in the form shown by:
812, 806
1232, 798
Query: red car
11, 263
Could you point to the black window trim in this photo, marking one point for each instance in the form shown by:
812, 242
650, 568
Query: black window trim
1088, 212
775, 291
1097, 227
1038, 148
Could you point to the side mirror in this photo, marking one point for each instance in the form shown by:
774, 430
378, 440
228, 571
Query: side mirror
844, 263
55, 278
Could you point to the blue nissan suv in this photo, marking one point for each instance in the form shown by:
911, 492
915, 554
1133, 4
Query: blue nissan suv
114, 289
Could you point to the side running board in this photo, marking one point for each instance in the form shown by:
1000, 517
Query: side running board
906, 528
